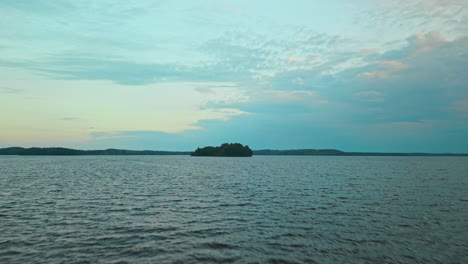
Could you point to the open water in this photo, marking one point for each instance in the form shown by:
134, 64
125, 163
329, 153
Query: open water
265, 209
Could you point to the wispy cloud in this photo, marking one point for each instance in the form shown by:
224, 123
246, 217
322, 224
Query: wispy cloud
387, 69
370, 96
9, 90
423, 43
369, 50
70, 119
293, 96
205, 90
110, 135
461, 106
447, 15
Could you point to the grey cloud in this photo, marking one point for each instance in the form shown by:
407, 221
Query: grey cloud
370, 96
421, 86
433, 80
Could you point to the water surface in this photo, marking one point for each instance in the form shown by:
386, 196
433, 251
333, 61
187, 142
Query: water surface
265, 209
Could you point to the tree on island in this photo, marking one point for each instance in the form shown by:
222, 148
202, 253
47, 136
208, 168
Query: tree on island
225, 150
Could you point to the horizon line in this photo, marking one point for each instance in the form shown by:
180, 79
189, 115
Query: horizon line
362, 153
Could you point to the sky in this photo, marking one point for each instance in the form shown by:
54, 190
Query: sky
363, 75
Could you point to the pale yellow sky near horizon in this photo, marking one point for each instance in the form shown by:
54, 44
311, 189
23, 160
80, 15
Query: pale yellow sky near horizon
55, 111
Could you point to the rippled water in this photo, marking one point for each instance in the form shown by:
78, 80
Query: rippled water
178, 209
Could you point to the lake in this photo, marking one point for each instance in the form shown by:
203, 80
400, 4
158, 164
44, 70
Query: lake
264, 209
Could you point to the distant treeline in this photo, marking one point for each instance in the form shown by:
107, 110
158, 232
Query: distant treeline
335, 152
71, 152
209, 151
324, 152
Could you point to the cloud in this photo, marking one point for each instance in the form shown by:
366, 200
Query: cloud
393, 65
205, 90
408, 16
376, 74
110, 135
220, 95
461, 106
370, 50
9, 90
228, 113
422, 43
370, 96
439, 6
232, 57
393, 86
421, 86
292, 96
390, 86
388, 69
255, 57
298, 81
70, 119
233, 7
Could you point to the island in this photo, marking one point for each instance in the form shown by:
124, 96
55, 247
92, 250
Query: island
225, 150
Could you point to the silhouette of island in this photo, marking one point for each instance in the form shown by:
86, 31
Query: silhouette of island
225, 150
209, 151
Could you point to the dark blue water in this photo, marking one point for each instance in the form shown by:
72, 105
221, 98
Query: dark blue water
177, 209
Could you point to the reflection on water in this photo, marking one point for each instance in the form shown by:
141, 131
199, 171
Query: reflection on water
177, 209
